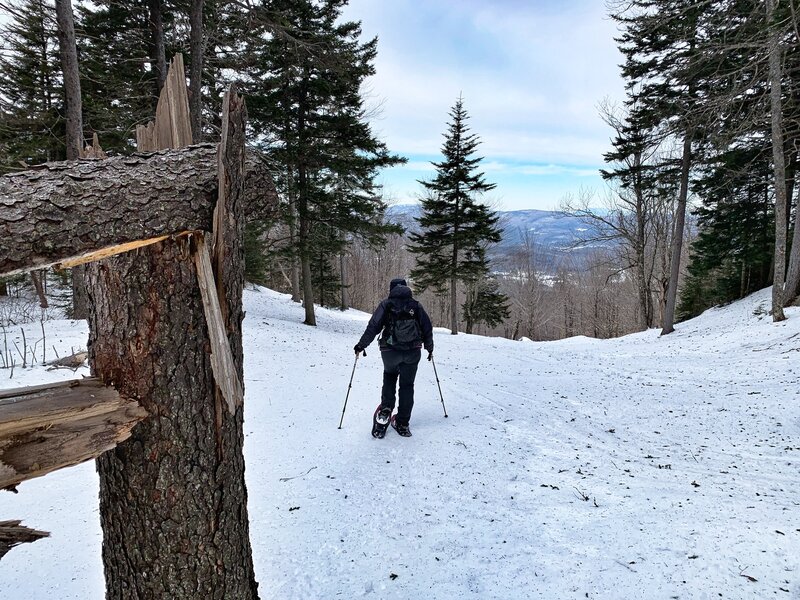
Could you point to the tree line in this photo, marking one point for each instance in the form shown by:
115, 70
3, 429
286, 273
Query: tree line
302, 67
709, 125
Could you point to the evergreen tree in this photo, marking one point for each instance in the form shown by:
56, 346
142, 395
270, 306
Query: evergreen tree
303, 80
455, 226
485, 303
32, 123
732, 255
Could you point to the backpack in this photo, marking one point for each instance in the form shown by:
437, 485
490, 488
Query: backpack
402, 328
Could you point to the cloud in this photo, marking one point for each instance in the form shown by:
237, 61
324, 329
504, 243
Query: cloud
531, 73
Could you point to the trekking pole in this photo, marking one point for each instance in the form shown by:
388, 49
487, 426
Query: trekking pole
439, 386
350, 385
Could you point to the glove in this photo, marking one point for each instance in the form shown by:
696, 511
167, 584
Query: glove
358, 349
430, 355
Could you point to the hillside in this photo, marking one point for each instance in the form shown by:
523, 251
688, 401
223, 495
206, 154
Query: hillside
641, 467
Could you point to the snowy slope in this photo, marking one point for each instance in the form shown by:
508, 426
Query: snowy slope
687, 449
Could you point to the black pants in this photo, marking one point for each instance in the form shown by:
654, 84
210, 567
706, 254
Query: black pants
402, 364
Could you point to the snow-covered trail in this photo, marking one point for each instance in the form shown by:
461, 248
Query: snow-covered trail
642, 467
682, 446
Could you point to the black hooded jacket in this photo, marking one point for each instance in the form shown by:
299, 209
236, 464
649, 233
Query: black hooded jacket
399, 295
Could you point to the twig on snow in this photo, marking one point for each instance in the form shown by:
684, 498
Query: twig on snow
297, 476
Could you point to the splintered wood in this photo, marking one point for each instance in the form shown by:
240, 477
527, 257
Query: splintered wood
172, 126
48, 427
225, 373
13, 533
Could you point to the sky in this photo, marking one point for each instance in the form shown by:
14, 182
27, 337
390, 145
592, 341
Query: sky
531, 72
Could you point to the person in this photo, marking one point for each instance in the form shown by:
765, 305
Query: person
405, 328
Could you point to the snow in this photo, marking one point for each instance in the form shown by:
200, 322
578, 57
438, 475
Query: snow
685, 448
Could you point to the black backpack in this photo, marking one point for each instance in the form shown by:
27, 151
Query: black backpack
402, 328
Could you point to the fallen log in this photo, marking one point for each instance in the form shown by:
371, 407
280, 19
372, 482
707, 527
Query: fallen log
89, 209
73, 361
12, 533
48, 427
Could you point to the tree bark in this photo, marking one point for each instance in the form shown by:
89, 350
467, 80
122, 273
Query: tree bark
173, 501
72, 81
196, 71
668, 325
158, 54
60, 211
779, 165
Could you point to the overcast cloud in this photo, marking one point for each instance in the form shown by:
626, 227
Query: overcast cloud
531, 73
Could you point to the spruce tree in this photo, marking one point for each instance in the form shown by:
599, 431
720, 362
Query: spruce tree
455, 226
485, 303
303, 81
32, 123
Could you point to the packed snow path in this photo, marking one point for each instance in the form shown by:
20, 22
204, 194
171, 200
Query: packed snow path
643, 467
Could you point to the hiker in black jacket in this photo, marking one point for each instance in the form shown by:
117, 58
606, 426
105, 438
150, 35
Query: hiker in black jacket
406, 328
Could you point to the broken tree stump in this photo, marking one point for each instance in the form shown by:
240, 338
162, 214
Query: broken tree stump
48, 427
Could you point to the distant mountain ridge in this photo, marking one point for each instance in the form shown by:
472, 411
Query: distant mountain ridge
553, 235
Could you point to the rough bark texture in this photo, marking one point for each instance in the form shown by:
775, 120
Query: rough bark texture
62, 210
49, 427
173, 501
72, 82
12, 533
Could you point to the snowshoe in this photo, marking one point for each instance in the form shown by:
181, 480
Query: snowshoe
380, 421
403, 430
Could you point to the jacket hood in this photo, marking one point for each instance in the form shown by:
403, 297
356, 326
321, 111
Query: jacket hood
400, 292
396, 282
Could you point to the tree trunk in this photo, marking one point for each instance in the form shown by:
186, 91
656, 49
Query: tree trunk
453, 306
778, 159
295, 267
642, 289
80, 310
196, 72
173, 497
36, 278
343, 279
173, 502
668, 326
308, 291
158, 52
72, 89
793, 274
72, 81
3, 287
60, 211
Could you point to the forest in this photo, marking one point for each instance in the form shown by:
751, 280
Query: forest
698, 208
